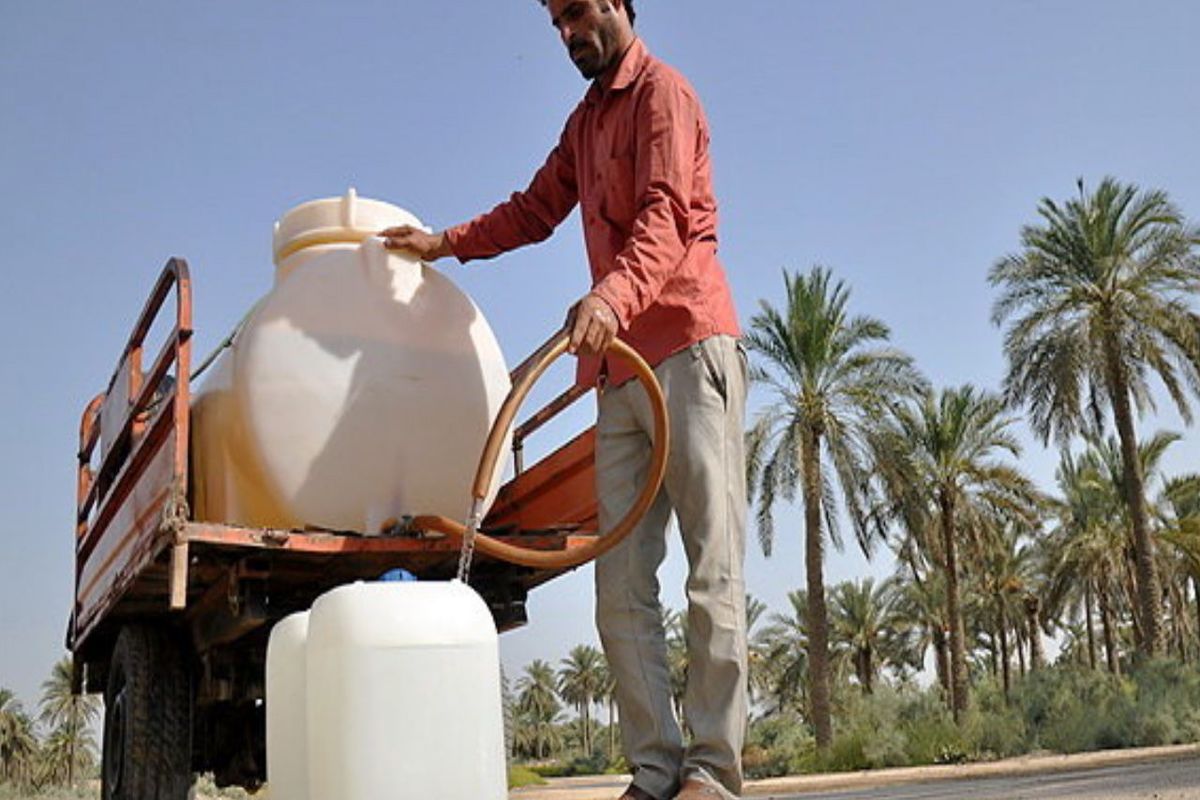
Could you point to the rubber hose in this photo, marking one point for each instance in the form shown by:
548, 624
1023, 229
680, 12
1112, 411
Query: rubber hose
561, 559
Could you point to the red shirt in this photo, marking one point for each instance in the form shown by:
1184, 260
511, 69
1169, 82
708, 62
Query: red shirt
634, 155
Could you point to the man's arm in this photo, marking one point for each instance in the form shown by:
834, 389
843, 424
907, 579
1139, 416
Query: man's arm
526, 217
425, 246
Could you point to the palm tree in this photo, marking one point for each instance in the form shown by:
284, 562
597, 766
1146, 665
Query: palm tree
1103, 294
1109, 458
755, 609
69, 715
1087, 548
864, 623
920, 607
783, 648
1181, 527
937, 459
538, 710
675, 630
581, 682
1007, 579
18, 745
829, 376
608, 694
508, 705
65, 753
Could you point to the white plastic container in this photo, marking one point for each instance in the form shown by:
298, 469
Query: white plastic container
287, 704
403, 695
360, 389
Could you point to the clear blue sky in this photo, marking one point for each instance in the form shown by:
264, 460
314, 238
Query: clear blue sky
901, 144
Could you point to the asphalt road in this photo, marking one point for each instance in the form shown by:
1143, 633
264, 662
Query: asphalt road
1161, 780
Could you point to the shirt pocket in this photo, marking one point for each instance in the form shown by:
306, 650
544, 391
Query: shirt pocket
618, 202
616, 169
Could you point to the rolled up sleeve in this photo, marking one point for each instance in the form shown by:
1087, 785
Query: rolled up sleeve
526, 217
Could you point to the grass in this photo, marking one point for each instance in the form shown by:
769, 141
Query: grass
519, 776
87, 792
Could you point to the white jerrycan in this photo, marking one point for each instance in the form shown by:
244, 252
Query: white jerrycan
402, 697
287, 728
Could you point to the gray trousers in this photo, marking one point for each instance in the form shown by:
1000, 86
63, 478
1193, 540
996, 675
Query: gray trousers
705, 388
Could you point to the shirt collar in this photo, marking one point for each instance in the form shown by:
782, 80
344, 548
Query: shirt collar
625, 73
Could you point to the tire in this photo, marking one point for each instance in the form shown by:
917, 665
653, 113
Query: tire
147, 718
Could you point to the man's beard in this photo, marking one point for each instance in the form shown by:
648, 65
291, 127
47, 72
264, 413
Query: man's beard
588, 63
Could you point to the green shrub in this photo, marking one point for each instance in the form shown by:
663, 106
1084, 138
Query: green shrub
1167, 700
1071, 709
868, 734
618, 766
551, 769
930, 735
936, 742
992, 728
519, 776
595, 764
778, 745
1064, 708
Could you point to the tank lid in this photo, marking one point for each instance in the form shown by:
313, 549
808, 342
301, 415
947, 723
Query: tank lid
348, 219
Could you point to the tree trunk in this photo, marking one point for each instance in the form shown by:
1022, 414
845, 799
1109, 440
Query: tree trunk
941, 658
1091, 626
612, 728
1128, 565
587, 727
818, 618
1020, 651
958, 655
868, 676
1106, 624
994, 654
1179, 617
1195, 588
1149, 591
1033, 609
1174, 641
1005, 669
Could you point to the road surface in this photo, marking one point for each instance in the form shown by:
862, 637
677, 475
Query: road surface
1161, 780
1150, 773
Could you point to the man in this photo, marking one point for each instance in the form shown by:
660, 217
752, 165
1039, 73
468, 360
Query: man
634, 156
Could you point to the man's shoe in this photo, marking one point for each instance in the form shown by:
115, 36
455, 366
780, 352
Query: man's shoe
634, 793
699, 790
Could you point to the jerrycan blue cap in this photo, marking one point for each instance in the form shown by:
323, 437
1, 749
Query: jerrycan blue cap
397, 576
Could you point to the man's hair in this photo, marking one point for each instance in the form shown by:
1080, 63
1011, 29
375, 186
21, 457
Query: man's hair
628, 8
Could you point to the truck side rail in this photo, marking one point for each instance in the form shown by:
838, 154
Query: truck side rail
128, 505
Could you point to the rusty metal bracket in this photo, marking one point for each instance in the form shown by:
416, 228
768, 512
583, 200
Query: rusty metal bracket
228, 610
173, 523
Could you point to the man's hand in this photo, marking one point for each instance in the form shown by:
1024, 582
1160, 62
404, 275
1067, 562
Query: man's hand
593, 326
416, 242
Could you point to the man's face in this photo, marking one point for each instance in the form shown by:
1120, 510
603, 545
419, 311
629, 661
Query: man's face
590, 30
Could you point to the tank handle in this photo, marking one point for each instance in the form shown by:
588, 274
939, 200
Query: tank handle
540, 361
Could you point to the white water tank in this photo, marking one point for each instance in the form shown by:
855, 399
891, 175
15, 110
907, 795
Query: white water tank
287, 708
403, 695
360, 389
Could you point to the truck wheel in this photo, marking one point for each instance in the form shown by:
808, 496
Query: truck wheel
147, 718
